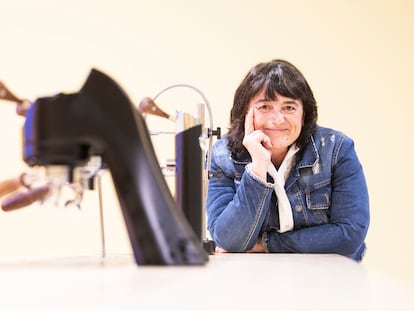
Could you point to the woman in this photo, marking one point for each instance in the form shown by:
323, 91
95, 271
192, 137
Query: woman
278, 181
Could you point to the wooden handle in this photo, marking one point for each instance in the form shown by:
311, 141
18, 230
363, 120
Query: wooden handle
6, 94
10, 185
147, 105
23, 199
22, 104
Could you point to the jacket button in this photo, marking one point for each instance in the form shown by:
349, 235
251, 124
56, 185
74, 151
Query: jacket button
298, 208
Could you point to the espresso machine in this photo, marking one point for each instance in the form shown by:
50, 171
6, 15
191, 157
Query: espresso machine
100, 125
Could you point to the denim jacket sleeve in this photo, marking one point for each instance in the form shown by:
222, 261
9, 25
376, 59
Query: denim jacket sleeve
349, 213
237, 202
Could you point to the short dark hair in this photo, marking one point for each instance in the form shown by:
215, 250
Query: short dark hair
274, 76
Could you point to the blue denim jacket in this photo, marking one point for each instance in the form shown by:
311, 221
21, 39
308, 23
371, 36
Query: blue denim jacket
326, 189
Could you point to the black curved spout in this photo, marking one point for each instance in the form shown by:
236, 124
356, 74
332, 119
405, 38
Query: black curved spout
67, 129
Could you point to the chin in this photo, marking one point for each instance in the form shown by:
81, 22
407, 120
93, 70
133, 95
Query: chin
282, 142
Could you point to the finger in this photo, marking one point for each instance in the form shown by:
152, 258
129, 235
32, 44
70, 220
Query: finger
266, 142
248, 122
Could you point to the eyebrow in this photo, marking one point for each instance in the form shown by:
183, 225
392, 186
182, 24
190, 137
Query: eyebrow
287, 102
291, 102
261, 100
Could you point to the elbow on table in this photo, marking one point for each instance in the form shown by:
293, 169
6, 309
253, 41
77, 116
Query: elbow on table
233, 243
353, 244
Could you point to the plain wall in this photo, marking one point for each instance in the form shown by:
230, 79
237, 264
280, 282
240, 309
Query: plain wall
356, 55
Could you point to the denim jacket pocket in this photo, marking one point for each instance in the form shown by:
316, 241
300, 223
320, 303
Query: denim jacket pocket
318, 201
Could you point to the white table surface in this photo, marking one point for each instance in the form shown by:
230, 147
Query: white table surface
226, 282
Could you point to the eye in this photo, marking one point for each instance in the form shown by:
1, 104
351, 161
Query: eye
264, 108
289, 108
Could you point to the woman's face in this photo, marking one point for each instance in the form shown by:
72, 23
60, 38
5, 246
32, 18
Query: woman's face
280, 119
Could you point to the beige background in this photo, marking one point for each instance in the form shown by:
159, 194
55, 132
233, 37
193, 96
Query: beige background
357, 56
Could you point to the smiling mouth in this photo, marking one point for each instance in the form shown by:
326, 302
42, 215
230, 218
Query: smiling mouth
276, 130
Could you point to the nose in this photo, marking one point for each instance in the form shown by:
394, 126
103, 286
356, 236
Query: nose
277, 117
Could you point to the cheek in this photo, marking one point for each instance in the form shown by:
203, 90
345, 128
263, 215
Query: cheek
297, 133
297, 127
257, 122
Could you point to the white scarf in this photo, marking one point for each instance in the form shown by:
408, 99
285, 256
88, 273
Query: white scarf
279, 177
